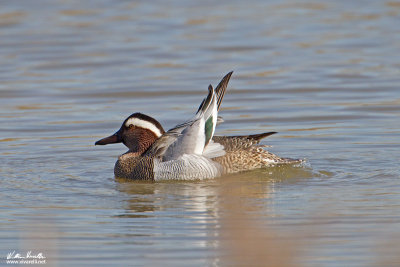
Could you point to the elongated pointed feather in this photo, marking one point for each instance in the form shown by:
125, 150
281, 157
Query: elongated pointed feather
221, 88
251, 138
211, 111
205, 104
258, 137
201, 105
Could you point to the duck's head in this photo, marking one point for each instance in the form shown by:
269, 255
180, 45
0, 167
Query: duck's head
138, 132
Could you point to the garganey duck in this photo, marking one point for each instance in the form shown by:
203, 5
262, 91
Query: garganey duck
189, 151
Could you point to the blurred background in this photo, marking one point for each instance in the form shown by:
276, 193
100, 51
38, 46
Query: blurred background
324, 74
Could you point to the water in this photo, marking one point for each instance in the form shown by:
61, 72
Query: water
325, 75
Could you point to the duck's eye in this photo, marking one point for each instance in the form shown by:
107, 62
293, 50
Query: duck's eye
131, 126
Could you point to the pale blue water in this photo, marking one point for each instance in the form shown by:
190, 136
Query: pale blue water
324, 74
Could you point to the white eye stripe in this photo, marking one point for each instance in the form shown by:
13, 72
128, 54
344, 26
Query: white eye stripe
143, 124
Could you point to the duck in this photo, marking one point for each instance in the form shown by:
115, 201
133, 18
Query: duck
190, 150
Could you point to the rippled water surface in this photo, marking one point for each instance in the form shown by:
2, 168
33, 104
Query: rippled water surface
323, 74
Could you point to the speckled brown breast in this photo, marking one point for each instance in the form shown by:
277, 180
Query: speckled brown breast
137, 168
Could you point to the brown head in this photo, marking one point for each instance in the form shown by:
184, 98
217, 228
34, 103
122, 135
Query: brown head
138, 133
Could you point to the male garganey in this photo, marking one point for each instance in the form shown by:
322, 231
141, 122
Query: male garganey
189, 151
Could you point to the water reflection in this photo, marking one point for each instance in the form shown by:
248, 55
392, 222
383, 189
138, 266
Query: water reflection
145, 198
140, 204
215, 212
